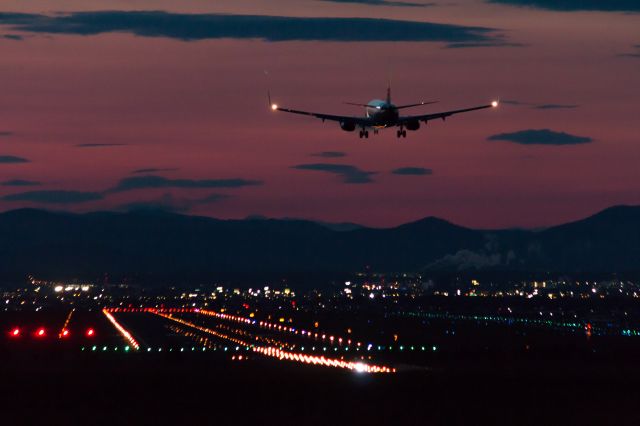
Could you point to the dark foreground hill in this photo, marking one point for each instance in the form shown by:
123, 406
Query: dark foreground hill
162, 247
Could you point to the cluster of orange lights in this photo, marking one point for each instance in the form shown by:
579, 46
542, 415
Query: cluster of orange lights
286, 355
359, 367
127, 336
279, 327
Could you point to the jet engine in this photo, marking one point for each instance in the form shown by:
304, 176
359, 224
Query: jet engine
348, 126
412, 125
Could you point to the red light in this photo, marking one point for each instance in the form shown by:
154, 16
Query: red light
65, 333
40, 332
90, 332
15, 332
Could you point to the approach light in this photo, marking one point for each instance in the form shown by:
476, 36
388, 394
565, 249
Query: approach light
274, 107
360, 367
90, 332
494, 104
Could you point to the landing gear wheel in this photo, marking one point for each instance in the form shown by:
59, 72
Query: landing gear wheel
398, 133
361, 134
366, 134
404, 133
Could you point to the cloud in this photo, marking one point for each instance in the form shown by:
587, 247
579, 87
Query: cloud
471, 44
10, 159
539, 106
329, 154
167, 204
383, 3
189, 27
631, 55
170, 204
99, 145
154, 170
213, 198
152, 181
20, 182
412, 171
14, 37
575, 5
348, 173
54, 197
540, 137
556, 106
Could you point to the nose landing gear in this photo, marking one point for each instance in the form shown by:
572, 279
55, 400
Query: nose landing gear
364, 134
401, 133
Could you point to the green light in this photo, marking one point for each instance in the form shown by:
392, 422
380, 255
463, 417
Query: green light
94, 348
126, 348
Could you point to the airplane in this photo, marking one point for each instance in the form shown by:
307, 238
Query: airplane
381, 114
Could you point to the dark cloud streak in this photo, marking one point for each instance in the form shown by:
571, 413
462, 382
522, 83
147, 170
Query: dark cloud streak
329, 154
10, 159
54, 197
383, 3
188, 27
577, 5
412, 171
540, 137
348, 173
153, 181
20, 182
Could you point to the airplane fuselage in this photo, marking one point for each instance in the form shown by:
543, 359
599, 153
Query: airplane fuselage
381, 113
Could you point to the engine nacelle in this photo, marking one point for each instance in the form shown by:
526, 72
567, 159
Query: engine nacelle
412, 125
348, 126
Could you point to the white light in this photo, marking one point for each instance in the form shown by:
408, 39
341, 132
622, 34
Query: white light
360, 367
274, 107
58, 288
494, 104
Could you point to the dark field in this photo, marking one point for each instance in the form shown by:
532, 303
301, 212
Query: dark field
480, 375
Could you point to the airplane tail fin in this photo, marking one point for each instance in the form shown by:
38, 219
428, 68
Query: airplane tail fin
389, 92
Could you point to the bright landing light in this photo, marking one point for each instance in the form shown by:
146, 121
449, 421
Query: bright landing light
274, 107
494, 104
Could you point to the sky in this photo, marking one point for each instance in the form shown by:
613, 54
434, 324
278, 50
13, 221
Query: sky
124, 105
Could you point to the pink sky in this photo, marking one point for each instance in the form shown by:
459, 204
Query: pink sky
201, 107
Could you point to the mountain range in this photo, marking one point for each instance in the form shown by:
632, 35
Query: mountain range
159, 247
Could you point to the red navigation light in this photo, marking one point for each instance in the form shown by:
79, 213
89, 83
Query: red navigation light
15, 332
90, 332
41, 332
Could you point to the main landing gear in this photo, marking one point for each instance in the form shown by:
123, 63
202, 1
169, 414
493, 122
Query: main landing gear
401, 133
364, 134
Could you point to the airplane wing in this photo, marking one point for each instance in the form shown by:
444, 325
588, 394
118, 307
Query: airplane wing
358, 121
443, 115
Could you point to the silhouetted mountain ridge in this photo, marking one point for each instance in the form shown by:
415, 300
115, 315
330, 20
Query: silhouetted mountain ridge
161, 247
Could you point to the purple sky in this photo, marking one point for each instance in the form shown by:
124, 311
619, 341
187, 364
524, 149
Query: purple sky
85, 111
